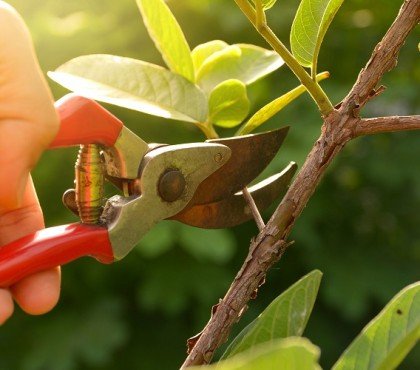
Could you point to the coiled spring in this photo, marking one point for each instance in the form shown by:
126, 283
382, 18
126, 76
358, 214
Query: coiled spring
89, 181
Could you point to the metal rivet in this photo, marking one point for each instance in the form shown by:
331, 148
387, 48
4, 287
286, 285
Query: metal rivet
218, 157
171, 185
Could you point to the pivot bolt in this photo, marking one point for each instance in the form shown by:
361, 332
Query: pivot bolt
171, 185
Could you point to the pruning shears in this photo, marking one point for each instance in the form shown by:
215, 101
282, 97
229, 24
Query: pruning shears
198, 184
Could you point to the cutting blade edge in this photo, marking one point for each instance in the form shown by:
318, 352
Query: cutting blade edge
250, 155
234, 210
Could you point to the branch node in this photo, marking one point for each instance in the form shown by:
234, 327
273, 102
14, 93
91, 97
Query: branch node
356, 110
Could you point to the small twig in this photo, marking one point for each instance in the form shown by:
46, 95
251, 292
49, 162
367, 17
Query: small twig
378, 125
254, 209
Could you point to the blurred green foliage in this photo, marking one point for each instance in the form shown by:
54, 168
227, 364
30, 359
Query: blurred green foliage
361, 228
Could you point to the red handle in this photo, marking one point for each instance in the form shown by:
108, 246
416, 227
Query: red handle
83, 121
52, 247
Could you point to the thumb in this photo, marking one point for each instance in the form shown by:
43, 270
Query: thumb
28, 121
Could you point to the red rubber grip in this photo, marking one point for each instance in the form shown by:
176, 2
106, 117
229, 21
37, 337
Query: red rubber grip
52, 247
83, 121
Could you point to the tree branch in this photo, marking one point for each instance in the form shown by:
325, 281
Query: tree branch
378, 125
384, 56
340, 126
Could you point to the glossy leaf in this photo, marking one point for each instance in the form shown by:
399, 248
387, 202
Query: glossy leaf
285, 354
275, 106
168, 37
201, 52
267, 4
309, 27
286, 316
228, 103
133, 84
243, 62
387, 339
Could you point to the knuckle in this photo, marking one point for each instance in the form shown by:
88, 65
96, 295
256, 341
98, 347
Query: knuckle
14, 220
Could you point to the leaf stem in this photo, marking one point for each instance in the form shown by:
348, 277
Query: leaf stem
316, 92
208, 130
314, 69
260, 15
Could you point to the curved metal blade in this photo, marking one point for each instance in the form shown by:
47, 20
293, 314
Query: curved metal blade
250, 155
234, 210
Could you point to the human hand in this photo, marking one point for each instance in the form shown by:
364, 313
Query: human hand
28, 123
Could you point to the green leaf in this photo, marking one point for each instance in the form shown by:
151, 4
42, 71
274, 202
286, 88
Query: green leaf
201, 52
243, 62
388, 338
275, 106
133, 84
309, 27
285, 354
286, 316
208, 245
168, 37
267, 4
228, 103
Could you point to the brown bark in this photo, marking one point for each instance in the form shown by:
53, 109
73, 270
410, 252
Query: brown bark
378, 125
339, 127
